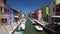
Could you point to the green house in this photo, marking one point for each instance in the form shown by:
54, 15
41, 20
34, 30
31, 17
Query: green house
45, 12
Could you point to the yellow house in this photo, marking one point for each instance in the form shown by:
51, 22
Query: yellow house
57, 1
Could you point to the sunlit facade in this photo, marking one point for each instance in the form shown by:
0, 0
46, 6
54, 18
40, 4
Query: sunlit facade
57, 1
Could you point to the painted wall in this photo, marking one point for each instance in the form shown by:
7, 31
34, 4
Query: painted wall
52, 10
2, 5
2, 14
57, 1
58, 9
39, 14
45, 12
11, 16
8, 18
7, 15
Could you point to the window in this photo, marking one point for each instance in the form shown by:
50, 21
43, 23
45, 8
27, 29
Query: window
0, 10
6, 11
58, 10
54, 9
3, 20
54, 2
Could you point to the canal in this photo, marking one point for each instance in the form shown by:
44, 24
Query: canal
30, 29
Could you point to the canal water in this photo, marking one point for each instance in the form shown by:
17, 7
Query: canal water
31, 30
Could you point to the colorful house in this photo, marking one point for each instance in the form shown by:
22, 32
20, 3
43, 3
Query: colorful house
39, 14
45, 12
58, 7
57, 1
2, 4
31, 14
52, 10
16, 15
36, 14
7, 14
11, 15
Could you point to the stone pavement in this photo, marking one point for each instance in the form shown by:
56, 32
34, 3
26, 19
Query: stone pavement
19, 22
5, 29
0, 26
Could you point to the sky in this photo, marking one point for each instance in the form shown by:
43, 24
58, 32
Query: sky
27, 5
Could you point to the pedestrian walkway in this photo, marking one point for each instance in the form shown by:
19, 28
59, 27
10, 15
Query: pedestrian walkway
0, 26
19, 31
6, 29
43, 23
14, 28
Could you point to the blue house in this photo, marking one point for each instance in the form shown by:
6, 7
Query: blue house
11, 16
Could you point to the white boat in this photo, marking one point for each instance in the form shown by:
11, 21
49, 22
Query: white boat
34, 22
22, 26
38, 27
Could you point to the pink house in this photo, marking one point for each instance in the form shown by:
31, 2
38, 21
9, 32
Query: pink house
7, 14
39, 14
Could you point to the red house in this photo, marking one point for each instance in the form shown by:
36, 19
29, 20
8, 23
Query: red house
58, 9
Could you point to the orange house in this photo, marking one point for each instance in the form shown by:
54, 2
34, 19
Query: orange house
2, 3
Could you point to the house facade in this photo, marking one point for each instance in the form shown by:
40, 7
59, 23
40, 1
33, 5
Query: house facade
57, 1
2, 4
58, 7
16, 15
45, 12
7, 13
32, 14
4, 12
11, 15
52, 10
36, 14
39, 14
